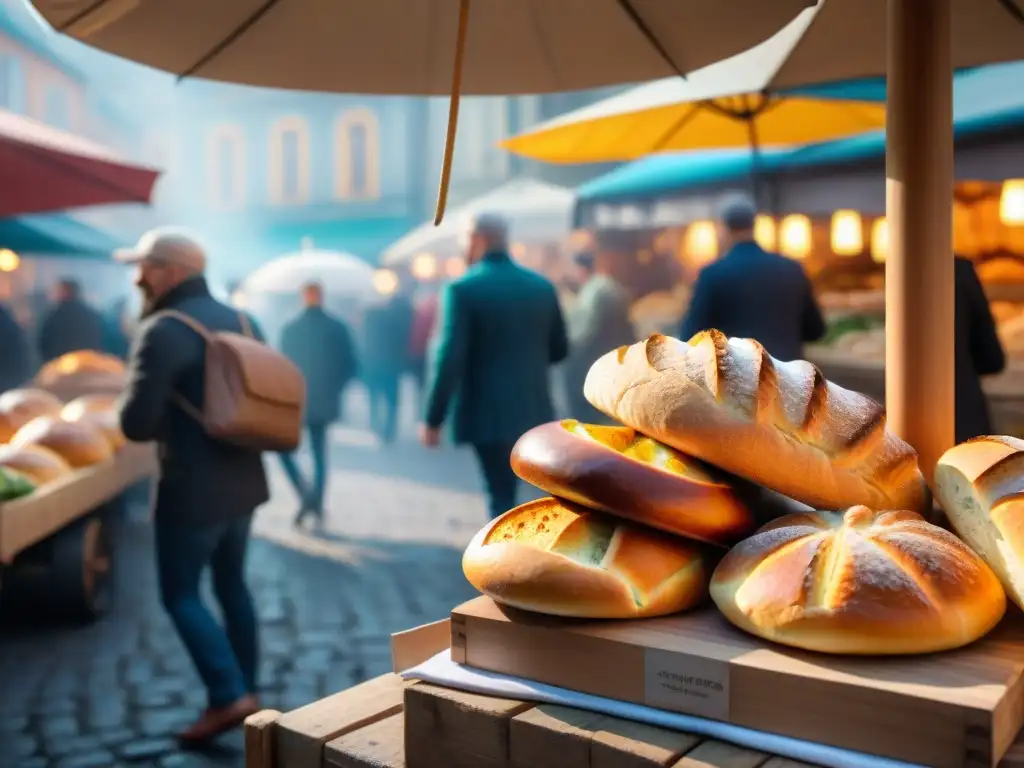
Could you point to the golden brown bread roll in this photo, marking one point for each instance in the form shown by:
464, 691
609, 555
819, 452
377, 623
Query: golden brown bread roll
858, 582
617, 470
39, 464
980, 486
97, 411
554, 557
78, 444
82, 360
782, 425
23, 405
9, 424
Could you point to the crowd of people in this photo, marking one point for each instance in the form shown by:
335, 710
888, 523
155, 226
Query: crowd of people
482, 352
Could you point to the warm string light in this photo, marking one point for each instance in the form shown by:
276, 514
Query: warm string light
880, 240
795, 236
1011, 202
765, 233
847, 233
9, 260
385, 281
424, 266
700, 242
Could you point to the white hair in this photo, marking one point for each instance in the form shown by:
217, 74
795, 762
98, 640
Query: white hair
493, 227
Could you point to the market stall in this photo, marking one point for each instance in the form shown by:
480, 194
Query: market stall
63, 467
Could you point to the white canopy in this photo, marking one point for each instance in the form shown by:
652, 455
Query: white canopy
341, 274
535, 211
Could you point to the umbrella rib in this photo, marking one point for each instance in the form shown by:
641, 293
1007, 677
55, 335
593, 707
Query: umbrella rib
1012, 8
87, 11
648, 34
228, 41
676, 127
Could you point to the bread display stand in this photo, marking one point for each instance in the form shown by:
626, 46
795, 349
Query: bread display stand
53, 543
388, 722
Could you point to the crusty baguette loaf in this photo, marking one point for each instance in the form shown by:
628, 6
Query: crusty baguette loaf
619, 471
781, 425
553, 557
980, 486
859, 582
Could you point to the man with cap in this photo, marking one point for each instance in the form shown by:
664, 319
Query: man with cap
752, 293
208, 490
500, 329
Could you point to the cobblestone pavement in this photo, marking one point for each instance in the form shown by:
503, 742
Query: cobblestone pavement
114, 693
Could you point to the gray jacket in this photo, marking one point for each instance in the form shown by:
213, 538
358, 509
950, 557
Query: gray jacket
201, 479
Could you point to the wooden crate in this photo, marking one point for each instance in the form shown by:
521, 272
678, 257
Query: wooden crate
956, 709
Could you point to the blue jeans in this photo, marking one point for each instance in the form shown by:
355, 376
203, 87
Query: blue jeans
312, 498
225, 657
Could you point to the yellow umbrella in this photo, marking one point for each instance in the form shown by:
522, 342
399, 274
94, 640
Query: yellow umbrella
727, 104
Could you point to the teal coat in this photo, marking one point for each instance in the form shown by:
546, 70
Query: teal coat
499, 330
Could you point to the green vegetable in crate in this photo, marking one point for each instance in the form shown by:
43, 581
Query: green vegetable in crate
14, 485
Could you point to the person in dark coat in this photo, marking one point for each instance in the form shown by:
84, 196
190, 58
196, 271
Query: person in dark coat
115, 336
70, 325
978, 352
751, 293
15, 356
321, 346
208, 489
500, 329
387, 327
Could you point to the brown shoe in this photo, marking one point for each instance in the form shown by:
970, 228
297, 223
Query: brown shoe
216, 721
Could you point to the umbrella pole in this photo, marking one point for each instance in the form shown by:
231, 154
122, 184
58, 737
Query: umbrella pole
755, 161
453, 113
919, 193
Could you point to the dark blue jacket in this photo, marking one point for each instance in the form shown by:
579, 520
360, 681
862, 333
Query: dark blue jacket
753, 294
499, 330
201, 479
321, 346
68, 327
978, 352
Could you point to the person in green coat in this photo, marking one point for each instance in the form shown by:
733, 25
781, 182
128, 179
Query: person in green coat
500, 328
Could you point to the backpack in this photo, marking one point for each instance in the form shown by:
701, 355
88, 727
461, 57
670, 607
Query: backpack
253, 396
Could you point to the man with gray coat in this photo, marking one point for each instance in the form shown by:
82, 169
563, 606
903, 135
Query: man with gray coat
208, 489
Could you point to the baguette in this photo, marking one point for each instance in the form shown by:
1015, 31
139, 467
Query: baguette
781, 425
980, 486
553, 557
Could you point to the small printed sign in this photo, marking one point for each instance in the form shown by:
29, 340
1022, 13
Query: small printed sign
687, 684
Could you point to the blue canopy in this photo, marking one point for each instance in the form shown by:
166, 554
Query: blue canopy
55, 234
985, 99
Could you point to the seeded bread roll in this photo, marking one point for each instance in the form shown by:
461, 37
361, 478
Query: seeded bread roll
858, 582
980, 486
781, 425
619, 471
553, 557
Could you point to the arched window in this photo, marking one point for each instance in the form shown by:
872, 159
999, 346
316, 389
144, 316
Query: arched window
57, 107
357, 156
225, 167
289, 161
12, 84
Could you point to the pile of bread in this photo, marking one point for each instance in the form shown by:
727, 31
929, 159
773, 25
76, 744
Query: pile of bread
44, 439
82, 372
648, 518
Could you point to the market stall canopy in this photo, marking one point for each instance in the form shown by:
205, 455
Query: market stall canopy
730, 103
43, 169
341, 274
408, 46
986, 100
55, 234
535, 211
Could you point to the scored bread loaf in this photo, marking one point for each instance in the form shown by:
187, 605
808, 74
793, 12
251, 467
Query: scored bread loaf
80, 445
781, 425
858, 582
553, 557
980, 486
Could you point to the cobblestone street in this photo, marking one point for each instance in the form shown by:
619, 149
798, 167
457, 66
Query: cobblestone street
114, 693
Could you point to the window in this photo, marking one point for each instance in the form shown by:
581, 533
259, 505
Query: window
225, 167
357, 156
12, 84
57, 108
289, 161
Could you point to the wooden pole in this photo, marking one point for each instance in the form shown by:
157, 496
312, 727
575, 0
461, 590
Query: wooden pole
919, 200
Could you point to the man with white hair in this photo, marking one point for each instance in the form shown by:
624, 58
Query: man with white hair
208, 489
752, 293
500, 329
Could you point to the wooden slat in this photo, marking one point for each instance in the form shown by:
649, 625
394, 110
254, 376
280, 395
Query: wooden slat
259, 739
376, 745
550, 736
721, 755
302, 733
627, 744
462, 722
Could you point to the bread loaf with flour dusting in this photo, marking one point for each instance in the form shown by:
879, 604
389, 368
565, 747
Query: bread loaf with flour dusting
781, 425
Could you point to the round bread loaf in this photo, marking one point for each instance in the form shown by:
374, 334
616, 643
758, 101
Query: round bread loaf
78, 444
97, 411
82, 360
619, 471
554, 557
23, 405
9, 424
39, 464
858, 582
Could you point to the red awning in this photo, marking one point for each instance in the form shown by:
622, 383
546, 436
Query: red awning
43, 169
